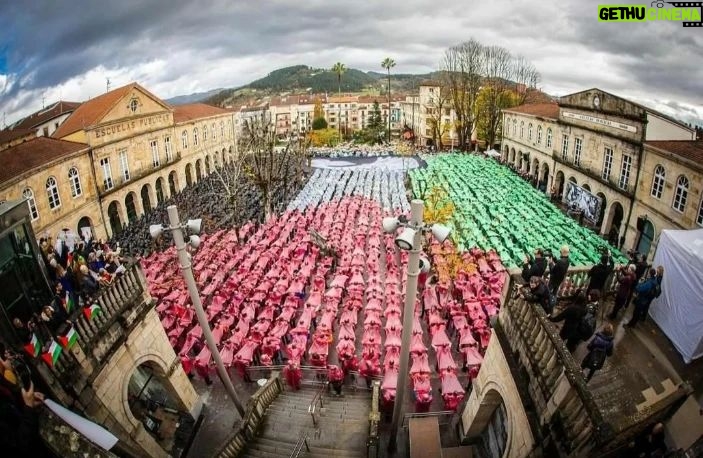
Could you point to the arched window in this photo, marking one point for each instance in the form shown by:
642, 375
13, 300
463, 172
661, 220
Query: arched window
195, 136
75, 180
31, 203
514, 126
681, 194
52, 192
549, 137
658, 181
184, 139
507, 126
699, 219
222, 129
214, 132
204, 133
529, 132
522, 129
539, 135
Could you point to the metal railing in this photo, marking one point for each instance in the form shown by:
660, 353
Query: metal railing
317, 399
246, 428
303, 440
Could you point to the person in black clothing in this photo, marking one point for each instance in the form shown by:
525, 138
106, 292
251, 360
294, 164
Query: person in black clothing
534, 267
651, 443
558, 269
600, 347
571, 316
537, 293
600, 272
19, 423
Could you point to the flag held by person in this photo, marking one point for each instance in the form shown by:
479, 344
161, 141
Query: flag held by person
69, 303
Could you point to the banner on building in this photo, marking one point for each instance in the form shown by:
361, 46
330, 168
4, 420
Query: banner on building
580, 199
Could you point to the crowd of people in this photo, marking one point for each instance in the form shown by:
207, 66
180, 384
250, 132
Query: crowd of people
353, 150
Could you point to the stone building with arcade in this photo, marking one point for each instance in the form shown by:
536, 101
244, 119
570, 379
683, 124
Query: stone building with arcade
613, 148
115, 157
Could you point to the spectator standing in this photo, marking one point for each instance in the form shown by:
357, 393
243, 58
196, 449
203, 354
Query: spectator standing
571, 316
626, 283
534, 267
645, 293
19, 423
558, 269
600, 273
599, 348
537, 293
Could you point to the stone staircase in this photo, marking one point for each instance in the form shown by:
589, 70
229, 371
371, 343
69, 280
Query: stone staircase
341, 431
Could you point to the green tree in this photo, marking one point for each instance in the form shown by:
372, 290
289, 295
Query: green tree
319, 124
387, 64
339, 68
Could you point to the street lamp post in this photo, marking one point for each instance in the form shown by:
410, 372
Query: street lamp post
176, 229
410, 239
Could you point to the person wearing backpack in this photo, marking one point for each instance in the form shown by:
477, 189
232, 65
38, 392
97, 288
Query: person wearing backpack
646, 293
599, 348
571, 316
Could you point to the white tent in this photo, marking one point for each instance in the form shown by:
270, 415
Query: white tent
679, 309
492, 153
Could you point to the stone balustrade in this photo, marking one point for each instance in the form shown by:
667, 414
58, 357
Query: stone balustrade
246, 428
63, 440
555, 382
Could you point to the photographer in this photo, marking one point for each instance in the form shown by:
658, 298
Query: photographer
534, 267
558, 269
599, 273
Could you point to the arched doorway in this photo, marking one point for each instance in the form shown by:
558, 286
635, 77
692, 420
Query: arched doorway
131, 207
613, 223
586, 187
199, 169
153, 402
506, 154
519, 153
160, 190
573, 180
113, 214
146, 200
646, 235
173, 183
559, 183
601, 212
545, 174
207, 165
512, 155
490, 426
85, 227
216, 161
189, 175
224, 157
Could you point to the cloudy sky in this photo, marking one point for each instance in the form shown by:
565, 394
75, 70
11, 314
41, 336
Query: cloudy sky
61, 49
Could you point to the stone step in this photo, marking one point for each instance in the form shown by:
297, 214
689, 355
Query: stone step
345, 406
285, 448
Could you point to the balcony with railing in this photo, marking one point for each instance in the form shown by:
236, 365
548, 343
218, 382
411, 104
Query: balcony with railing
579, 417
133, 175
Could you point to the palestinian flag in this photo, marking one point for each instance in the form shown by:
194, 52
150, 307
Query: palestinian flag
34, 346
70, 339
52, 354
69, 303
92, 311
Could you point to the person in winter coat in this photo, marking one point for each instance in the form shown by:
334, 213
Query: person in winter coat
645, 292
600, 347
600, 273
626, 282
558, 269
534, 267
537, 293
571, 316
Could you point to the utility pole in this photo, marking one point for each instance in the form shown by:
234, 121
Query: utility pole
107, 84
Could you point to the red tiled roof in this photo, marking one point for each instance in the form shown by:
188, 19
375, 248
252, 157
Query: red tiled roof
9, 135
90, 112
543, 110
46, 114
183, 113
687, 149
33, 154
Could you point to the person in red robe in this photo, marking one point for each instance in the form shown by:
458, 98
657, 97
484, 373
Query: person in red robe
293, 375
336, 378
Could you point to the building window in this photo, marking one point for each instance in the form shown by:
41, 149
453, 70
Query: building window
539, 135
529, 132
204, 134
107, 172
167, 148
195, 136
522, 129
699, 219
658, 181
549, 138
214, 132
154, 145
31, 203
577, 151
222, 129
625, 171
564, 146
681, 195
607, 163
124, 165
184, 139
52, 191
75, 180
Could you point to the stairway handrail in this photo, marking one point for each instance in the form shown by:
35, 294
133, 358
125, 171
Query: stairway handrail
317, 399
302, 440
